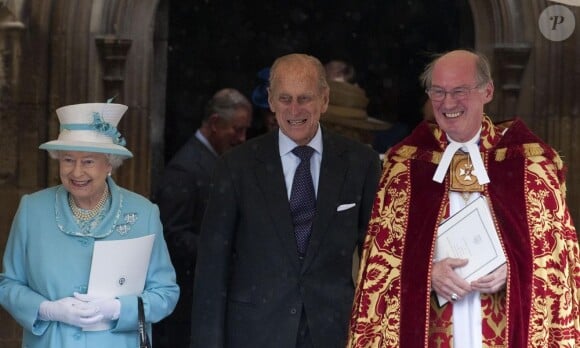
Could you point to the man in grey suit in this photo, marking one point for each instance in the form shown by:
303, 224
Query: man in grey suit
182, 196
260, 281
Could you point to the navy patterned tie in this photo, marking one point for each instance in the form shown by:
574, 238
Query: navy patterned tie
302, 199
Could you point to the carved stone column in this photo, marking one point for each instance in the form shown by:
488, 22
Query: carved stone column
10, 52
510, 61
11, 132
113, 52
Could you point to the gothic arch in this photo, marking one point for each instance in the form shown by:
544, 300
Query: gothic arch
535, 79
508, 47
78, 51
113, 48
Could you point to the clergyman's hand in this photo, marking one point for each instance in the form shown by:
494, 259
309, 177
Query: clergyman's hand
446, 282
493, 282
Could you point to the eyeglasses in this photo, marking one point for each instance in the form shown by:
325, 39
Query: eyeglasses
459, 93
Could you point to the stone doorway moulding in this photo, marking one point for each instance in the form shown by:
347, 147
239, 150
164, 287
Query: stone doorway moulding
140, 78
119, 49
499, 33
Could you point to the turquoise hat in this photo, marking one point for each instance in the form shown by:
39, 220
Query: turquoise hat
90, 127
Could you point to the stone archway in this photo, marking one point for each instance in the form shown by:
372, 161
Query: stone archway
118, 49
506, 45
60, 62
69, 52
536, 79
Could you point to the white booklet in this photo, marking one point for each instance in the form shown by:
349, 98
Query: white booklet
470, 234
119, 267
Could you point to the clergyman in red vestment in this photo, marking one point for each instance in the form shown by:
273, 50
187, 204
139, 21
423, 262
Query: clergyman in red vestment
530, 301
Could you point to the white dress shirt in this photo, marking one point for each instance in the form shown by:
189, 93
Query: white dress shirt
290, 161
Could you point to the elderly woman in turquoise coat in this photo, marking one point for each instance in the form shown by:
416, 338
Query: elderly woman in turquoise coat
47, 262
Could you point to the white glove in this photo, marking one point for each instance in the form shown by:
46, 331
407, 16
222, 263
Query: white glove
110, 308
70, 311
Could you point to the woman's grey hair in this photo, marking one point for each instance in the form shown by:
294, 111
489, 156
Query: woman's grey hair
114, 160
225, 102
482, 75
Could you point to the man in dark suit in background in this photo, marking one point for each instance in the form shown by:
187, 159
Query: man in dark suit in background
272, 272
182, 197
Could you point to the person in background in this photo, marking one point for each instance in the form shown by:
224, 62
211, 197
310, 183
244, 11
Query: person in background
265, 120
530, 301
182, 197
285, 214
386, 139
347, 107
427, 110
341, 71
48, 255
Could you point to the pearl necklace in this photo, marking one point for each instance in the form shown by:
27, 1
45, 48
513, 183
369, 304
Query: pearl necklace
88, 214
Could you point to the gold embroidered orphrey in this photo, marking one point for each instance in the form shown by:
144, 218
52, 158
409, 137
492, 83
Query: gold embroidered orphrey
462, 174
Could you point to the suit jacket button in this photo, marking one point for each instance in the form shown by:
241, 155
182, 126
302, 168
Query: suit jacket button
293, 311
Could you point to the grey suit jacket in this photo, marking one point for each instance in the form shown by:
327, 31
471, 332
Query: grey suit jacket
250, 285
182, 196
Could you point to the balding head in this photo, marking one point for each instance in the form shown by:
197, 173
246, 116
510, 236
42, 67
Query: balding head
482, 68
459, 85
299, 63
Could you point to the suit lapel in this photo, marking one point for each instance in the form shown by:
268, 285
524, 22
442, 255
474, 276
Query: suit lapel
332, 173
270, 179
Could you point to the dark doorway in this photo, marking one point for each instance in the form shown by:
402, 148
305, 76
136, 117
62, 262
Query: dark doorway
216, 44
